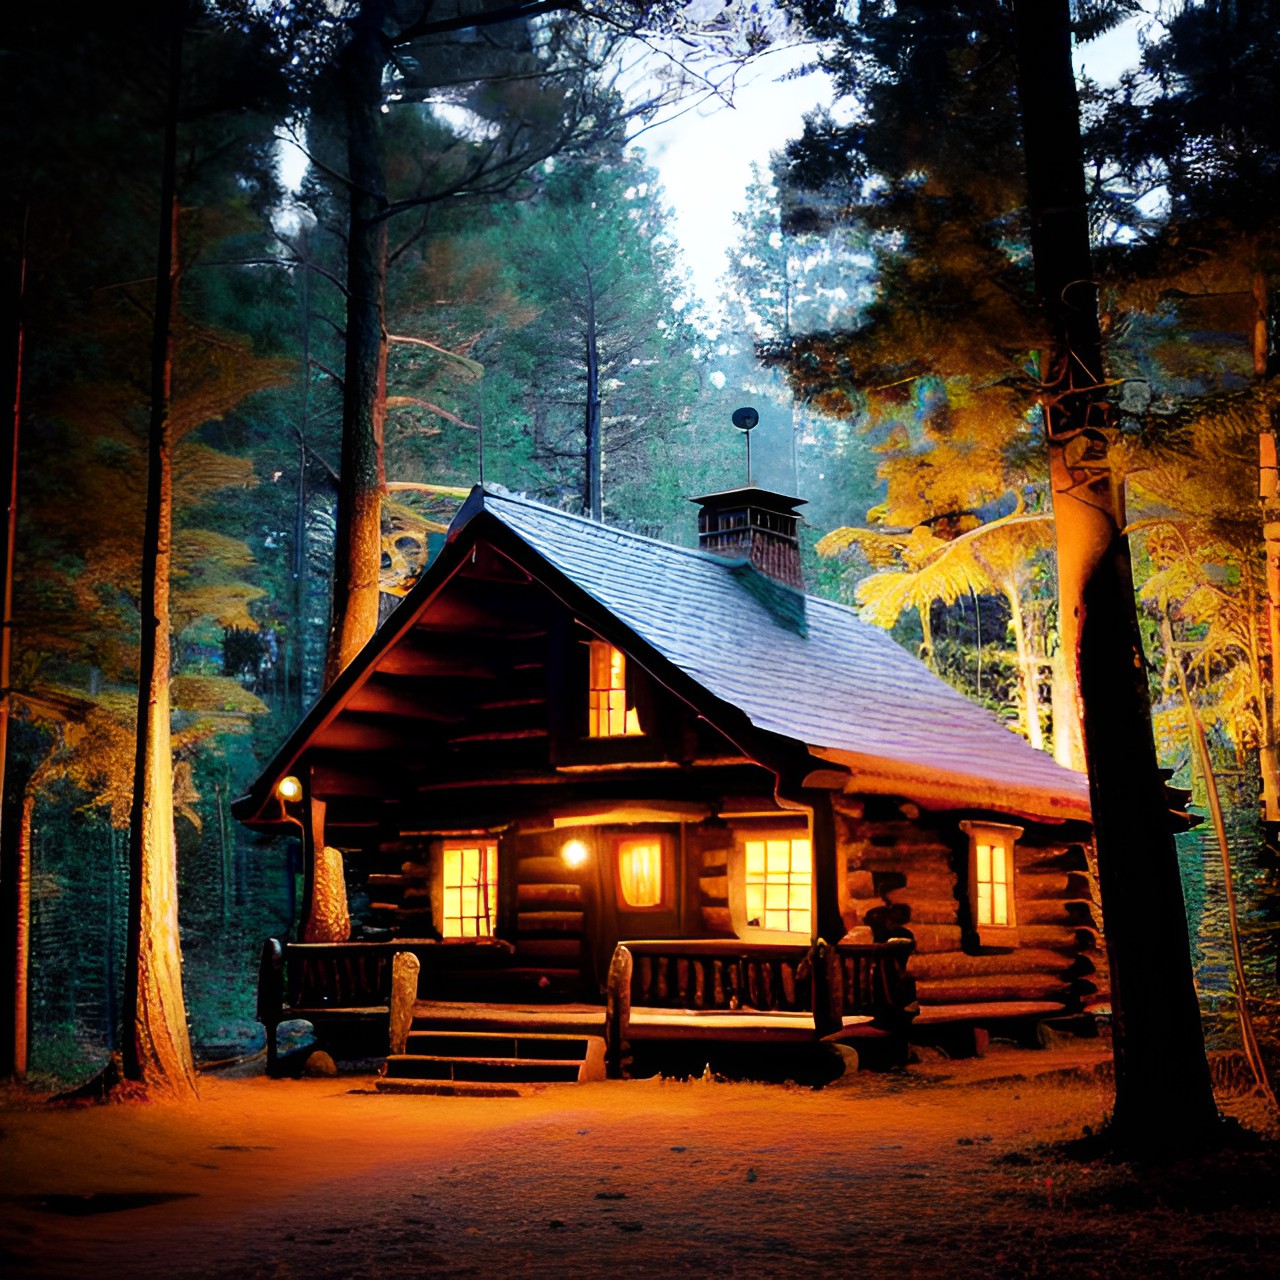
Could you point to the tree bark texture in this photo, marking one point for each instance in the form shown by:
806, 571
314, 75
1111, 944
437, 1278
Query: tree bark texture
1163, 1092
1269, 712
13, 903
157, 1052
358, 549
595, 451
326, 916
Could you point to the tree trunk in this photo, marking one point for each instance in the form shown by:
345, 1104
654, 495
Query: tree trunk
595, 460
1163, 1093
1269, 753
1028, 670
15, 907
926, 631
358, 552
157, 1053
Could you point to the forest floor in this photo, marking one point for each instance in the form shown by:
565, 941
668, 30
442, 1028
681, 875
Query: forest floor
945, 1170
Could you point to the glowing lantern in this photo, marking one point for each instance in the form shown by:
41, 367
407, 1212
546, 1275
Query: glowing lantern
574, 853
289, 788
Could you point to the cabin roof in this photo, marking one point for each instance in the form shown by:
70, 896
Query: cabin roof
754, 655
804, 668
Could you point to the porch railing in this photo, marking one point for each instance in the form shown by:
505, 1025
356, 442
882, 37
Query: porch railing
726, 975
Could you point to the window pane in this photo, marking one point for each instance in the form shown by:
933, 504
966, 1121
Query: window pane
452, 867
755, 903
800, 922
780, 856
755, 858
801, 856
775, 919
799, 897
775, 895
1000, 907
984, 904
984, 863
998, 872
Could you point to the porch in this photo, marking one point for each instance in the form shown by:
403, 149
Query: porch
443, 1012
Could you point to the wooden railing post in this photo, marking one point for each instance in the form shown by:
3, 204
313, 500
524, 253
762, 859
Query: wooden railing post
617, 1023
271, 995
405, 967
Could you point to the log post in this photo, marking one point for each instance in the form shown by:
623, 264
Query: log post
405, 968
271, 995
327, 916
617, 1018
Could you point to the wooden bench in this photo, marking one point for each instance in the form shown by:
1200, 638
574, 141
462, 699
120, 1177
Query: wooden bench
728, 991
964, 1030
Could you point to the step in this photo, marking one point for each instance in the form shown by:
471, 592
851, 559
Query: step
406, 1066
433, 1043
445, 1089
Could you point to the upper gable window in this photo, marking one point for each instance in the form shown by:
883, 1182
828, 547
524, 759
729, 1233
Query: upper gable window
609, 714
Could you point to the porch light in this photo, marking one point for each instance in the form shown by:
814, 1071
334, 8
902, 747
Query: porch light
289, 788
574, 853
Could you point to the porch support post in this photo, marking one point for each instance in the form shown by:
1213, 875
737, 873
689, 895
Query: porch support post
326, 918
828, 921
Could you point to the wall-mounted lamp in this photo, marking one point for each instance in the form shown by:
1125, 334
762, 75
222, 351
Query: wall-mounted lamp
289, 788
574, 853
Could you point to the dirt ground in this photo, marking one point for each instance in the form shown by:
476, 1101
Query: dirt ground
937, 1172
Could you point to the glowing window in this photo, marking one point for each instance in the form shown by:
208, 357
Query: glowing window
608, 715
470, 889
779, 881
991, 873
640, 872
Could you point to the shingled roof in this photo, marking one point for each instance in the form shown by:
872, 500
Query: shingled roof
800, 667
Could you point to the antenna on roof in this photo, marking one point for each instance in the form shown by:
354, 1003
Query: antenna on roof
745, 419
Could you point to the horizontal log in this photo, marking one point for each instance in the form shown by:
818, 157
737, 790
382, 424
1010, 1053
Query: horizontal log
1066, 937
959, 964
1005, 986
543, 869
550, 921
714, 887
936, 937
378, 880
940, 883
863, 905
717, 919
1048, 911
861, 884
549, 896
550, 948
1056, 884
926, 910
714, 864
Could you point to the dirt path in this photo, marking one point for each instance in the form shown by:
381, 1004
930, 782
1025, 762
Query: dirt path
929, 1174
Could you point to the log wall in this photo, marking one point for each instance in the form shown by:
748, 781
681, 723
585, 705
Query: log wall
909, 870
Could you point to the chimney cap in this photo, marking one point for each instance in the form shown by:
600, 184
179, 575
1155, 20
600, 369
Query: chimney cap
752, 495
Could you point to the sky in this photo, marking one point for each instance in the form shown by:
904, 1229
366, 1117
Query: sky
704, 156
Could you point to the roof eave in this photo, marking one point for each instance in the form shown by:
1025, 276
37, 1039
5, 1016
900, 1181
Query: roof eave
935, 788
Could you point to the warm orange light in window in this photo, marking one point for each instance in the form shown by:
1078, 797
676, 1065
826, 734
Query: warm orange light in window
469, 887
992, 879
608, 715
779, 881
640, 872
574, 853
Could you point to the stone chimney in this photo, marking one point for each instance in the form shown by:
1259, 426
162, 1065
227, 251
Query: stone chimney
755, 525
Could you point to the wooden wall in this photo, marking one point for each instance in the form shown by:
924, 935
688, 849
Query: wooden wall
908, 869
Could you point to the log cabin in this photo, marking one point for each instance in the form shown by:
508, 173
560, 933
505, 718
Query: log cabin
586, 792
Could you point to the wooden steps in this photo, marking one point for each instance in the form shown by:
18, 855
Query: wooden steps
438, 1060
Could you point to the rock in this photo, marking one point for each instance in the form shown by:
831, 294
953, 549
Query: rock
320, 1064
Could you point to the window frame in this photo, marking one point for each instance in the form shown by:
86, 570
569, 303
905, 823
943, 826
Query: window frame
462, 843
630, 709
1007, 835
738, 880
